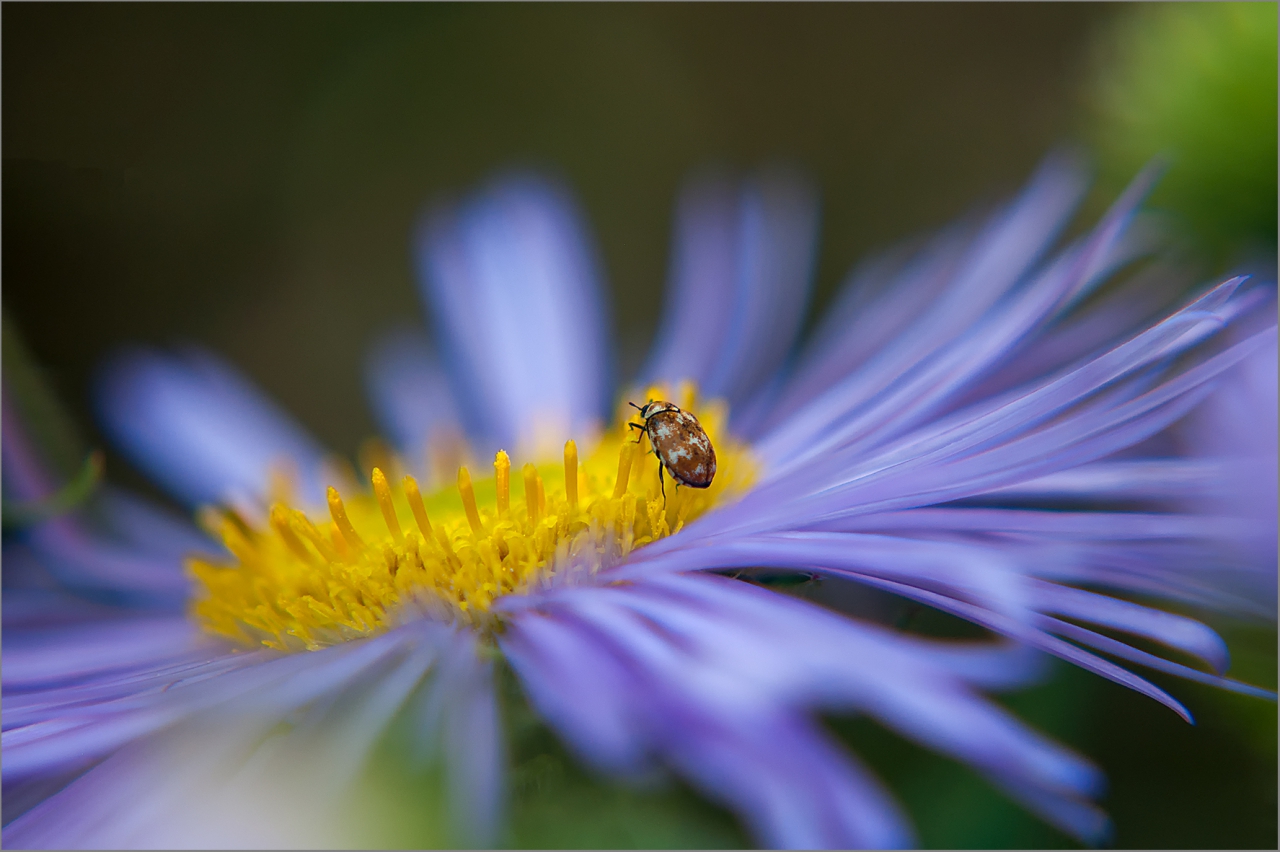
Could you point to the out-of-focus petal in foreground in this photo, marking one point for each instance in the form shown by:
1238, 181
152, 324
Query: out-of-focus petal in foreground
192, 734
713, 677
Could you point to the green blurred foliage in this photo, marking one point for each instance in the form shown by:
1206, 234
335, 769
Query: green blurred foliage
1195, 82
35, 403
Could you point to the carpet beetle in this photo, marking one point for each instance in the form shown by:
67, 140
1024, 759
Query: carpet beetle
681, 445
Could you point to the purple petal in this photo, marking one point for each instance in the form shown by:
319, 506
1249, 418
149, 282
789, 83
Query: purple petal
80, 557
1158, 479
579, 688
409, 392
1126, 652
714, 664
150, 529
513, 289
792, 791
701, 284
218, 779
44, 657
474, 752
1170, 630
86, 561
201, 429
1005, 442
1036, 638
739, 285
1235, 431
996, 262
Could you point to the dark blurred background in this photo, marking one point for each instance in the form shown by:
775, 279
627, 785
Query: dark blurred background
247, 176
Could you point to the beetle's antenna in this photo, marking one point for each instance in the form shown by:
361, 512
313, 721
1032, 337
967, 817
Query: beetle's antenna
633, 405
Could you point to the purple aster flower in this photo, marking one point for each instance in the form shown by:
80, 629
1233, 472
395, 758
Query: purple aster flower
977, 425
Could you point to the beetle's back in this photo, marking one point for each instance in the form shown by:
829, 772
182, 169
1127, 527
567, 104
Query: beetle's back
683, 447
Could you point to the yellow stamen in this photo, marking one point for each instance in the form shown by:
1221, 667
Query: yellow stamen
339, 543
571, 474
502, 481
382, 491
624, 469
302, 525
469, 499
339, 514
295, 583
531, 492
233, 536
416, 506
280, 523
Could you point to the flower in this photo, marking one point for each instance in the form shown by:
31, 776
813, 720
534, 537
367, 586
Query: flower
974, 426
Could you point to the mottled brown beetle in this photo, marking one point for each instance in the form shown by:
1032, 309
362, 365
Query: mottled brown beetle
680, 444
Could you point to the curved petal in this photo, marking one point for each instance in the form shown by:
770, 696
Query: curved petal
741, 274
513, 290
80, 556
51, 657
718, 676
410, 395
254, 728
1235, 431
243, 779
201, 429
1083, 415
990, 302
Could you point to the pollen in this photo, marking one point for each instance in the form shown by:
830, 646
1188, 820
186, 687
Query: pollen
301, 580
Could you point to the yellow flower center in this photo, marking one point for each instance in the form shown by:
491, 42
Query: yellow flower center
298, 582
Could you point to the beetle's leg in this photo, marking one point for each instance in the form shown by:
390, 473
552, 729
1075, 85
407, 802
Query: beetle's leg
639, 426
662, 485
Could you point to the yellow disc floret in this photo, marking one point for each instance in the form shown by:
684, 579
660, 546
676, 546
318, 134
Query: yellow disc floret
301, 583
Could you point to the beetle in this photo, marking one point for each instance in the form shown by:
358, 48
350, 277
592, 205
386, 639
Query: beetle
679, 442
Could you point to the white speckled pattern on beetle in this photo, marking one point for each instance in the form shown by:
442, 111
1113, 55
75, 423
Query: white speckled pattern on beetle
681, 445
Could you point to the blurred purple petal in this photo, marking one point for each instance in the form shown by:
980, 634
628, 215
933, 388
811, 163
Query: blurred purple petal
740, 280
218, 780
513, 289
201, 429
1010, 439
980, 290
61, 655
1235, 431
716, 668
474, 752
338, 703
77, 555
409, 392
150, 528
